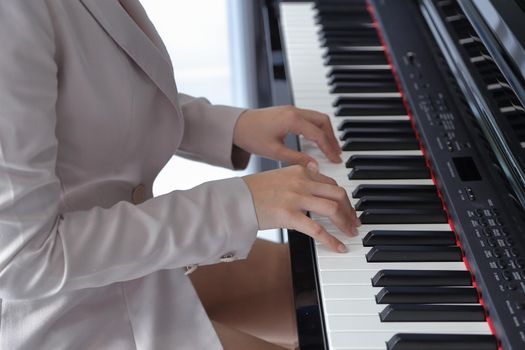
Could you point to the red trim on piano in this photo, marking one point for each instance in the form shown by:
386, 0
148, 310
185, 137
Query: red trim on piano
421, 146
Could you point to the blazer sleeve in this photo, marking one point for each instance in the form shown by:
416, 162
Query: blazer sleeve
208, 133
43, 251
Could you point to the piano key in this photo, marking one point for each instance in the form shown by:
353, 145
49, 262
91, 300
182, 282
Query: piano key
394, 102
398, 202
342, 40
341, 323
394, 190
426, 295
370, 58
388, 172
361, 159
375, 340
432, 313
369, 109
353, 307
347, 26
352, 276
374, 132
399, 278
415, 237
362, 86
413, 253
335, 76
428, 341
353, 49
361, 17
380, 143
402, 216
372, 124
382, 73
363, 230
360, 263
370, 297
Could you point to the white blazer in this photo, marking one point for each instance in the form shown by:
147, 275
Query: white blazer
89, 114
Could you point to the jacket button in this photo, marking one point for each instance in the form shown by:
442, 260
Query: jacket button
139, 194
228, 257
190, 268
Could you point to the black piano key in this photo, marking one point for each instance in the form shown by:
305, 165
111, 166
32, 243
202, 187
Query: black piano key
362, 86
343, 6
388, 172
398, 202
375, 132
375, 124
360, 159
387, 102
380, 143
355, 16
413, 254
432, 313
346, 25
351, 50
355, 73
400, 278
364, 40
394, 190
393, 237
360, 76
403, 216
355, 59
427, 295
369, 110
421, 341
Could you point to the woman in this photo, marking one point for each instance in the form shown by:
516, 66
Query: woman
89, 114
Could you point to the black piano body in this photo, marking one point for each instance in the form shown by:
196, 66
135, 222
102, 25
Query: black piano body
460, 68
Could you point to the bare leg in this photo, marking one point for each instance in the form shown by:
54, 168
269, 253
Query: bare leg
233, 339
252, 295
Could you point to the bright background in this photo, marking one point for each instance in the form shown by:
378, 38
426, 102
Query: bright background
204, 43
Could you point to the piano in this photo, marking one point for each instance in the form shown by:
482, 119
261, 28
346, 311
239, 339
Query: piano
427, 99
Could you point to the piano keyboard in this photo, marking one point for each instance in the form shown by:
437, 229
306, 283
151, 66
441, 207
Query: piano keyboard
403, 284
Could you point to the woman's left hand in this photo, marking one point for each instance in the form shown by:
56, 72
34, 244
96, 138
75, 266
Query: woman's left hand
262, 131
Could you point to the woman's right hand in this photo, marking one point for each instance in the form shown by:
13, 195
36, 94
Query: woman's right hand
282, 196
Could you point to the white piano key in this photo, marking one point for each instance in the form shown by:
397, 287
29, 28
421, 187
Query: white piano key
355, 307
367, 323
350, 292
347, 277
375, 340
344, 262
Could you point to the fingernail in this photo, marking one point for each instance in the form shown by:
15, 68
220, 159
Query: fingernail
342, 248
312, 166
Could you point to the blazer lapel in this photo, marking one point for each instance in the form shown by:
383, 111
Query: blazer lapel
153, 60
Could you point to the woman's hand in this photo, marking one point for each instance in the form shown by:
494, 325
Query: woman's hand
282, 196
262, 131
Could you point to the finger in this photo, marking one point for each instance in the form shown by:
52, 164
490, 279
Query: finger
339, 213
304, 224
315, 175
313, 133
290, 156
313, 167
338, 194
322, 121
